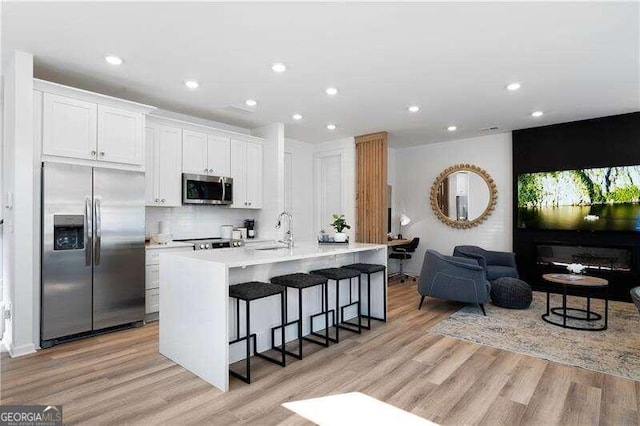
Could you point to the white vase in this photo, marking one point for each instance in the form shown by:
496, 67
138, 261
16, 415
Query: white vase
339, 237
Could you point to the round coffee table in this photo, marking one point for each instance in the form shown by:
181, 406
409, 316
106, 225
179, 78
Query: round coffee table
585, 283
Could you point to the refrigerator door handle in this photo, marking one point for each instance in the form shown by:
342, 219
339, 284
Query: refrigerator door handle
98, 220
88, 234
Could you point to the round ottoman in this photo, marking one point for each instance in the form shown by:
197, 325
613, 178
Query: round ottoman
511, 293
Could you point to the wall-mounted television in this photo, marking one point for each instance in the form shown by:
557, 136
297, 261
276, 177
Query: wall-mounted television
598, 199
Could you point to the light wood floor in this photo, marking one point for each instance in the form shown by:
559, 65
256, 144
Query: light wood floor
121, 378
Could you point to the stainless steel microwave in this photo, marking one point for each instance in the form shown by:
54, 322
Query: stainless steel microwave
205, 189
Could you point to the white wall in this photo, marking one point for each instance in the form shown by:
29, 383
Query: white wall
19, 252
298, 187
335, 183
416, 169
163, 113
196, 221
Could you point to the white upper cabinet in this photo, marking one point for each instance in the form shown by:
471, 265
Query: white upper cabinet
194, 153
163, 166
120, 134
205, 154
219, 155
78, 126
246, 171
254, 175
239, 173
69, 127
151, 166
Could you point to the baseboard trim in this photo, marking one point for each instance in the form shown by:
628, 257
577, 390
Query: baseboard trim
16, 351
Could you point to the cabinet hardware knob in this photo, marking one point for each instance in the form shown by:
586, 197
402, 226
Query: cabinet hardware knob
93, 153
102, 154
163, 200
249, 202
210, 170
157, 200
206, 170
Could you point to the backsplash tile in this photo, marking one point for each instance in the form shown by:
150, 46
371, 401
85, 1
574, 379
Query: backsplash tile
196, 221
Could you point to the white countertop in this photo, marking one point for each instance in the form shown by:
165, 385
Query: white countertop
240, 257
172, 244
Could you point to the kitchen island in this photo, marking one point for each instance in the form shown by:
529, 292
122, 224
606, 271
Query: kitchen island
197, 318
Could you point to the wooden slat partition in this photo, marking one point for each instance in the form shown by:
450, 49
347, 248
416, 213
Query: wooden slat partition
371, 188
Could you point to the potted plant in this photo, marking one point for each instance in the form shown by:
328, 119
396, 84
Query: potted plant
340, 224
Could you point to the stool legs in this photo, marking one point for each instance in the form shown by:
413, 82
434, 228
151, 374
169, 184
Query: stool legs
325, 311
355, 328
248, 337
384, 301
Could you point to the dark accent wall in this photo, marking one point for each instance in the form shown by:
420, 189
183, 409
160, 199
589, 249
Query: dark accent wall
599, 142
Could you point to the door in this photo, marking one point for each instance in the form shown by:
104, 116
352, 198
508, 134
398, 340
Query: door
120, 135
254, 176
169, 172
218, 155
119, 259
151, 166
194, 153
69, 127
66, 250
239, 173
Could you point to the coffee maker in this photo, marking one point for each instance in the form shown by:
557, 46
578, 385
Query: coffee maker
250, 224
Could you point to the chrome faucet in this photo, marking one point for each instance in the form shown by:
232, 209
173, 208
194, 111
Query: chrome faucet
288, 236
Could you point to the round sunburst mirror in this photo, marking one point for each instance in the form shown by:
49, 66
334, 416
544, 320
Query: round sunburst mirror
463, 196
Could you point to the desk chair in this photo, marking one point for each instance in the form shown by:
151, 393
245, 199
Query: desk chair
403, 253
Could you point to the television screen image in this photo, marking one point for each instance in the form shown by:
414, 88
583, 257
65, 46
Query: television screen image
599, 199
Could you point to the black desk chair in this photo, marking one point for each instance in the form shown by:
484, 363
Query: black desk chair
403, 253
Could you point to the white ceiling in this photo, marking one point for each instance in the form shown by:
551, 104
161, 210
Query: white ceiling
574, 60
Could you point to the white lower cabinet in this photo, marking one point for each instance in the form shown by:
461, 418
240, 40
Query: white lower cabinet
152, 301
152, 275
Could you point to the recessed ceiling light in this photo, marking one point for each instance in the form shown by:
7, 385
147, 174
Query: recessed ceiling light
414, 108
279, 67
113, 60
251, 102
331, 91
192, 84
331, 126
297, 116
537, 114
452, 128
513, 86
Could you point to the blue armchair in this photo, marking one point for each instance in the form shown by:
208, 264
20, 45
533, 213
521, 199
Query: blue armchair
497, 264
453, 278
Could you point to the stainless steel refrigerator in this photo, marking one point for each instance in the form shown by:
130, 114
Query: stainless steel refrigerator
93, 230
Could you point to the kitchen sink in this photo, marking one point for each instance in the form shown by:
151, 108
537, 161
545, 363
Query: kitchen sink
278, 247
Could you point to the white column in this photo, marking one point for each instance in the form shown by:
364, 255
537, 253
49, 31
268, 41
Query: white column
20, 251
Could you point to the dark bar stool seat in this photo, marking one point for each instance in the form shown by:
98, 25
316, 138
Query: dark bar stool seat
300, 281
248, 292
368, 269
337, 275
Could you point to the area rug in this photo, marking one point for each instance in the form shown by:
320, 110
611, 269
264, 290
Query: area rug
615, 351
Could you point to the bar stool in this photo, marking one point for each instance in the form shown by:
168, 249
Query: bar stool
368, 269
248, 292
337, 275
301, 281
